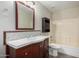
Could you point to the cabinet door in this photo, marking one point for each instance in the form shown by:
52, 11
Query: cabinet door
42, 49
36, 50
7, 51
46, 48
24, 52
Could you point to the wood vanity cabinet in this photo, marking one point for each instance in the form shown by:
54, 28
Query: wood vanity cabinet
36, 50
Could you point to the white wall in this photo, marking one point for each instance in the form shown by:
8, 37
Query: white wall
7, 19
43, 12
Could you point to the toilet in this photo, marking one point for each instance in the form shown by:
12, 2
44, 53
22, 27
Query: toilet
53, 49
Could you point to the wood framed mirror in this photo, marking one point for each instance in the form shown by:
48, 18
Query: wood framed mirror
25, 16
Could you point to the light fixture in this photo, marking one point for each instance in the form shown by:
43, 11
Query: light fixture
31, 3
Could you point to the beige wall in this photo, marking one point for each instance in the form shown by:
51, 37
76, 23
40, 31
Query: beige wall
66, 26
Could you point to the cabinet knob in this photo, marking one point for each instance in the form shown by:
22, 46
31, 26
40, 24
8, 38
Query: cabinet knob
26, 53
40, 45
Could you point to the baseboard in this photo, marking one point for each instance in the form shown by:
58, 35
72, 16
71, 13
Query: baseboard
69, 51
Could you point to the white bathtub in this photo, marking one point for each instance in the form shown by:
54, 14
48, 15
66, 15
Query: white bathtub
67, 50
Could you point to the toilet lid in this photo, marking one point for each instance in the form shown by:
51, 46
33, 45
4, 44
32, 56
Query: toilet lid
54, 45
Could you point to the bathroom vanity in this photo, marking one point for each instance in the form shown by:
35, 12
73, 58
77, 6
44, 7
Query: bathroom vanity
36, 48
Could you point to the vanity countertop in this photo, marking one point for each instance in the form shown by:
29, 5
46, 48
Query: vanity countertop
26, 41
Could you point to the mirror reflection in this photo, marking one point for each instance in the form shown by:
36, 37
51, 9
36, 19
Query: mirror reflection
25, 16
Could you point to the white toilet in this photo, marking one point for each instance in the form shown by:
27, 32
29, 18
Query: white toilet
53, 49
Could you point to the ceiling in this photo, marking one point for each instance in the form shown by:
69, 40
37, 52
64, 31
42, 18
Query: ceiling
59, 4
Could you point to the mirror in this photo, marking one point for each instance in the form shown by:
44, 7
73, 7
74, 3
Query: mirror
24, 16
